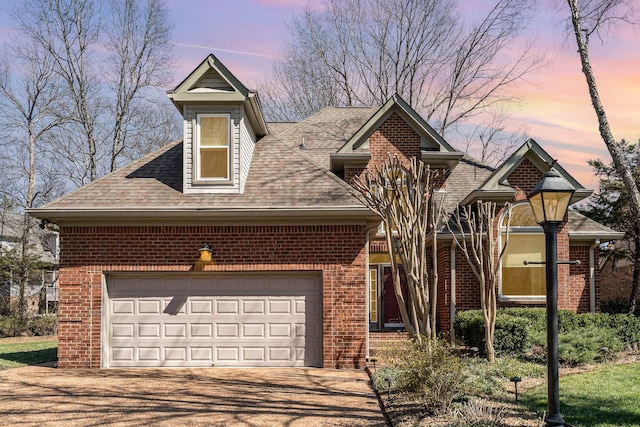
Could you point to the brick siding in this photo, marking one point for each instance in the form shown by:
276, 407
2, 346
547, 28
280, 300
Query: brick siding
337, 251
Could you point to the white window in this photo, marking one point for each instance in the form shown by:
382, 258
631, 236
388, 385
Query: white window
213, 148
526, 242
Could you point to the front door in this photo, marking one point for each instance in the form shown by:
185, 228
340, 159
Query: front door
392, 316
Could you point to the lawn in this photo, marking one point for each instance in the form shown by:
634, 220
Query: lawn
604, 398
17, 353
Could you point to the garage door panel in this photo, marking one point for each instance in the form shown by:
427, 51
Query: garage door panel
201, 306
221, 321
253, 306
201, 330
149, 330
253, 330
227, 330
123, 307
123, 330
227, 307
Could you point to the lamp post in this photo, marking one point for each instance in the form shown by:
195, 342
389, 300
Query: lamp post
549, 201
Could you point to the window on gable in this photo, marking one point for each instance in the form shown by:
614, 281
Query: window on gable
213, 148
526, 242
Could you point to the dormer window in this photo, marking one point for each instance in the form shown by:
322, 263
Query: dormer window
213, 149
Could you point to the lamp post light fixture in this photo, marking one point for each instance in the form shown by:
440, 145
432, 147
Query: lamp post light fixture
549, 201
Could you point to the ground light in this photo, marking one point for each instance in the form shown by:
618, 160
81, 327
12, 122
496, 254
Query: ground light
549, 201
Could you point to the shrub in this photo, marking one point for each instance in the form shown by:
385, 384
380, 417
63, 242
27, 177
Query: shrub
431, 372
12, 326
486, 378
583, 345
43, 325
511, 333
480, 413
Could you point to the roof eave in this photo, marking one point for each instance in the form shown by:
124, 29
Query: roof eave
237, 214
442, 159
590, 236
488, 195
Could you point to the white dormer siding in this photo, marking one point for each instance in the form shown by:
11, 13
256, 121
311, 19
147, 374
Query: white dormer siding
241, 146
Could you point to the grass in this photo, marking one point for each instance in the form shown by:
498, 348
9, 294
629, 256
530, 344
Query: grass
604, 398
18, 354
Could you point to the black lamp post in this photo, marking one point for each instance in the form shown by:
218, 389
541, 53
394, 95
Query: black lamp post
549, 201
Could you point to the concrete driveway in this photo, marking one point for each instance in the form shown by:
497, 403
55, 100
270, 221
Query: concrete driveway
187, 397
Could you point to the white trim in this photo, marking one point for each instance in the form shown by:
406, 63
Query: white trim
452, 297
592, 276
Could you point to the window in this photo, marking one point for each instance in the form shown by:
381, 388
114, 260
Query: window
373, 295
526, 242
213, 148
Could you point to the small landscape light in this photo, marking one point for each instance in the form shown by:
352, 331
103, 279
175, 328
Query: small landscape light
389, 381
515, 381
374, 360
604, 351
475, 351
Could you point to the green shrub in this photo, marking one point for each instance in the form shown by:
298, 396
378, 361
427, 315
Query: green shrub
43, 325
430, 372
12, 326
469, 328
583, 345
511, 333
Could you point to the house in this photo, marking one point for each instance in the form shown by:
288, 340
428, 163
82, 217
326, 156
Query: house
298, 272
41, 244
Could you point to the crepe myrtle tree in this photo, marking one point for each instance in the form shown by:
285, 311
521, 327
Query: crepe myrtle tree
475, 237
402, 194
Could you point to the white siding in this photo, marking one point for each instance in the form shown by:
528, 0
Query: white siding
247, 144
190, 114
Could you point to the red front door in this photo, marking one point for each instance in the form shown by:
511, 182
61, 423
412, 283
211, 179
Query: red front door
392, 316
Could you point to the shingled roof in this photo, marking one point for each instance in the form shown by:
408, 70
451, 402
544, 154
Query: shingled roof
286, 177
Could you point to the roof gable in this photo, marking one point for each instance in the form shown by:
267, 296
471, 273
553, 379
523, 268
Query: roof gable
431, 141
497, 187
212, 82
435, 150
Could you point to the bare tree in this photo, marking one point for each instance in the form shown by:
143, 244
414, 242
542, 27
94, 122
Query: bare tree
140, 57
402, 196
112, 58
474, 235
491, 142
67, 30
361, 52
589, 18
29, 113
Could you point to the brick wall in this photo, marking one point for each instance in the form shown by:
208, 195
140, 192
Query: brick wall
338, 252
393, 136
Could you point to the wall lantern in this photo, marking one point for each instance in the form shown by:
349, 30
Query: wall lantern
549, 201
205, 254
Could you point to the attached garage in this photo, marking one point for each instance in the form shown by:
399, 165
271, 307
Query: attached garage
212, 320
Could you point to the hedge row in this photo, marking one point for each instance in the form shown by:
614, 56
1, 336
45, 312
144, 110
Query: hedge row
521, 332
35, 326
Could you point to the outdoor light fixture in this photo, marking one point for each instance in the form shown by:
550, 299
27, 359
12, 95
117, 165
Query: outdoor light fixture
549, 201
389, 380
205, 254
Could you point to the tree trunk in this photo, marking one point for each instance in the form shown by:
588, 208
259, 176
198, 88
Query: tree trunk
605, 130
636, 275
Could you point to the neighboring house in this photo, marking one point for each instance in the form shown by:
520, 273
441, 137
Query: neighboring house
299, 274
42, 244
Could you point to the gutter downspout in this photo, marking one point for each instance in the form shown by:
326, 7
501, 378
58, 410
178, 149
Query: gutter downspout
368, 290
592, 276
452, 298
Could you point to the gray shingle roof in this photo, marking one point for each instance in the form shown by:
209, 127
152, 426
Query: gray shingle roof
282, 174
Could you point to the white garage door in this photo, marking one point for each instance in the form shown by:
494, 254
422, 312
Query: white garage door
213, 321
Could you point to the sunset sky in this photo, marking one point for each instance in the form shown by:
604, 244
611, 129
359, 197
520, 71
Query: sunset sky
248, 35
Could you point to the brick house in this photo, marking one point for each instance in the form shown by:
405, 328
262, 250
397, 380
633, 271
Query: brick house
299, 273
